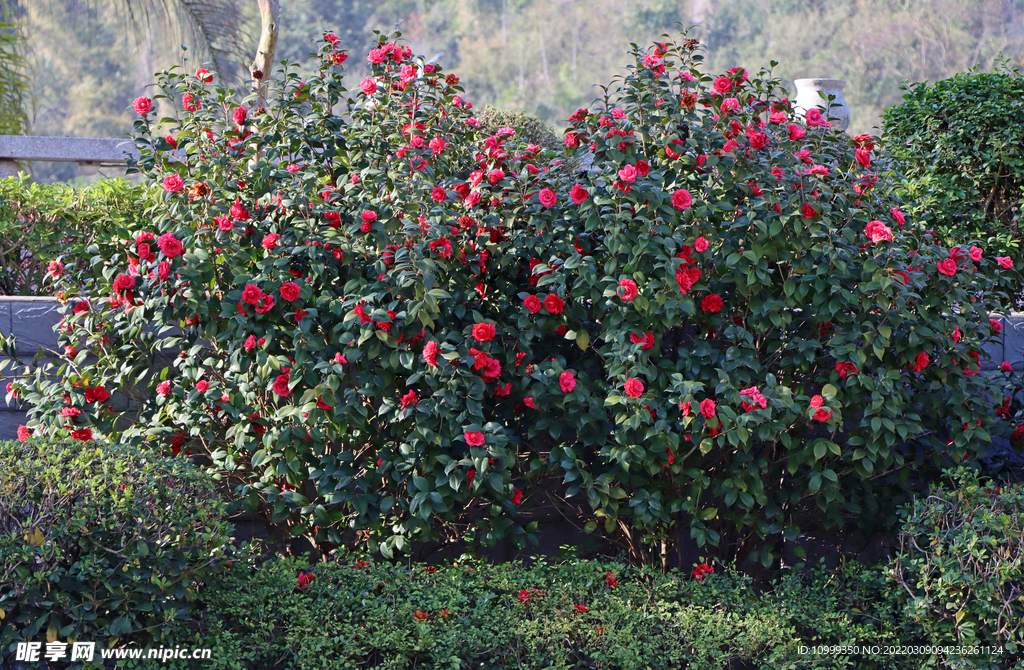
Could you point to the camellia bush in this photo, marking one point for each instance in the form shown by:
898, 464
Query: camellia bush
393, 327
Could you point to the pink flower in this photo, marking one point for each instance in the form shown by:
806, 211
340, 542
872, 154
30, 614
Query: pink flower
204, 75
730, 104
566, 381
173, 183
202, 385
170, 245
578, 194
474, 438
483, 332
898, 215
163, 388
947, 267
730, 146
368, 86
23, 433
1006, 367
191, 103
437, 145
270, 241
124, 282
628, 174
630, 289
956, 335
996, 325
224, 223
634, 387
796, 132
878, 232
976, 254
547, 197
701, 244
722, 85
817, 401
142, 105
239, 116
56, 269
339, 359
292, 167
813, 117
707, 408
681, 199
1004, 262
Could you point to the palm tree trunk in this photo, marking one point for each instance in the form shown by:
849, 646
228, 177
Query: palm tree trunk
262, 66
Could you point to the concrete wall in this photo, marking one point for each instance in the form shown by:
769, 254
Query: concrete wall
31, 320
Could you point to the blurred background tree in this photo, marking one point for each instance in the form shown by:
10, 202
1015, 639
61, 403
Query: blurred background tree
15, 97
88, 59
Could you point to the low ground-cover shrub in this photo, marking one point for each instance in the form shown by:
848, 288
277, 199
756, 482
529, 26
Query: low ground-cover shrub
100, 541
959, 157
45, 223
565, 614
397, 328
961, 564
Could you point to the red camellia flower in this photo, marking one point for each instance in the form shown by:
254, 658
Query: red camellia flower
996, 325
1004, 262
474, 438
170, 245
566, 381
430, 353
84, 434
202, 385
23, 433
124, 282
976, 253
629, 292
56, 269
947, 267
270, 241
191, 103
252, 294
813, 117
701, 244
305, 579
239, 213
702, 571
681, 199
823, 415
438, 194
524, 596
1006, 367
634, 387
808, 211
142, 105
238, 116
920, 362
578, 194
290, 291
796, 132
517, 496
707, 408
846, 369
163, 388
554, 304
204, 75
483, 332
647, 339
409, 398
532, 303
878, 232
581, 609
711, 303
281, 383
547, 197
173, 183
611, 580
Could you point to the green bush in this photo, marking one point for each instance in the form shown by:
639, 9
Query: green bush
960, 570
396, 329
100, 541
529, 129
564, 614
960, 158
41, 223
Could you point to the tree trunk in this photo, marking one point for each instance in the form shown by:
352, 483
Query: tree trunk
262, 66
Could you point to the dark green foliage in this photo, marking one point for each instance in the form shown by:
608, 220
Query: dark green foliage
100, 541
960, 152
40, 223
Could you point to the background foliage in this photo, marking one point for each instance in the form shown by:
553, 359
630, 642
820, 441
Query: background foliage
959, 156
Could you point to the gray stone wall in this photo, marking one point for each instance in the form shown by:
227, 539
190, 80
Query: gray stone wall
32, 320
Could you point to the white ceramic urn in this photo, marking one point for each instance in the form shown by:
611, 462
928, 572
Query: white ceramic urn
807, 97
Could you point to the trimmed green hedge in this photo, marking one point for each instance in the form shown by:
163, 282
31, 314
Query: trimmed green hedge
40, 223
100, 542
